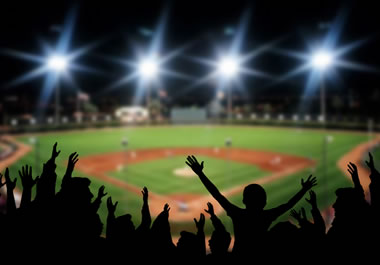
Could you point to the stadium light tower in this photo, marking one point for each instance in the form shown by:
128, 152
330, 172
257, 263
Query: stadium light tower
321, 61
228, 68
57, 64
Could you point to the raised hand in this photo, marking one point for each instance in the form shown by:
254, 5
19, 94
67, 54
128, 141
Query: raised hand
299, 216
370, 163
313, 199
26, 177
375, 175
11, 203
309, 183
194, 164
210, 209
201, 223
296, 215
353, 170
73, 159
101, 192
54, 153
166, 208
10, 184
110, 206
145, 194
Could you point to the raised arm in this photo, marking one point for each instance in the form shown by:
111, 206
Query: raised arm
201, 234
47, 181
300, 217
27, 184
353, 170
218, 225
11, 185
198, 169
110, 218
146, 219
160, 231
73, 159
98, 200
319, 223
306, 186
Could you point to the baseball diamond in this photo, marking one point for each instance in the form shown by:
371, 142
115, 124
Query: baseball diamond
276, 158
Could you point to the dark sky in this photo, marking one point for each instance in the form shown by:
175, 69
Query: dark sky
118, 24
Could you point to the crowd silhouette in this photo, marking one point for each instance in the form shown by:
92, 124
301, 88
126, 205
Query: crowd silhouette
66, 224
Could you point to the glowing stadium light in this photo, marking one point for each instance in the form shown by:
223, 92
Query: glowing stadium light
148, 68
228, 67
54, 64
57, 63
321, 60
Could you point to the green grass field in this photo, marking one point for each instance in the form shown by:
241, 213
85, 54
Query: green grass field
224, 174
158, 175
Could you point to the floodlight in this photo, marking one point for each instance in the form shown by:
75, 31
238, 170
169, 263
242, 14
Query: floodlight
57, 63
148, 68
228, 67
321, 60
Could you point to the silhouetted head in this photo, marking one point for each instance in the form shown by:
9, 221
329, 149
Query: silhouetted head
219, 242
348, 200
254, 197
187, 242
78, 190
124, 224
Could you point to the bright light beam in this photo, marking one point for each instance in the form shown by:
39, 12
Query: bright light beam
327, 56
58, 63
148, 68
54, 62
228, 67
321, 60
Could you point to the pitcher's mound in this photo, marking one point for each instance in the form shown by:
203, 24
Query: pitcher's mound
184, 172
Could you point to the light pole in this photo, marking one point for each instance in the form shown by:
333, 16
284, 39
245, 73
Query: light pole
321, 61
58, 64
57, 103
228, 68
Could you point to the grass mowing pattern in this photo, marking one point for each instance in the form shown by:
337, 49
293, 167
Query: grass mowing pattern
306, 143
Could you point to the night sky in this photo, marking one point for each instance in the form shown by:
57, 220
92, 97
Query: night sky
120, 26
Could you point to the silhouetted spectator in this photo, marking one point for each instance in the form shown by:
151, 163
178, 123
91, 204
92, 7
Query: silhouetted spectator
220, 238
352, 222
250, 224
191, 247
161, 242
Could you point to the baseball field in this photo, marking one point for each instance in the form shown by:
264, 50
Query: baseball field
276, 158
